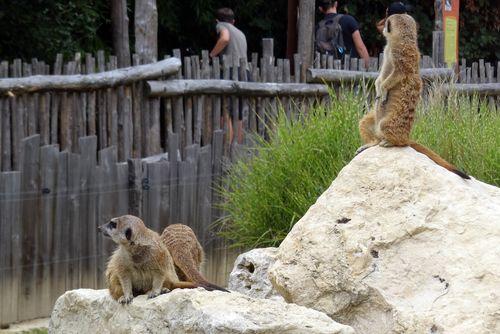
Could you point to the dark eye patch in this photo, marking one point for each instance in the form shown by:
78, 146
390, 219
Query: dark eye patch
388, 26
112, 224
128, 233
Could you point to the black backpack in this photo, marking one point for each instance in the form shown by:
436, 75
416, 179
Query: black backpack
329, 38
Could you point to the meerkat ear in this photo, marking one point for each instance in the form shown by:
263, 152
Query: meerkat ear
128, 233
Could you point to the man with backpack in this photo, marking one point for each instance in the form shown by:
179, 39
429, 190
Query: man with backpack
338, 34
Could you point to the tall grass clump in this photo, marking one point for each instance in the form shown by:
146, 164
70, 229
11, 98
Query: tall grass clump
273, 188
270, 191
464, 131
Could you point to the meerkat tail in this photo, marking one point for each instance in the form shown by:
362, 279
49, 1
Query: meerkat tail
188, 267
437, 159
184, 285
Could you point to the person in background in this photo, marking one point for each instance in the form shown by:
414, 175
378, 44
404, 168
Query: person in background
394, 8
232, 42
355, 47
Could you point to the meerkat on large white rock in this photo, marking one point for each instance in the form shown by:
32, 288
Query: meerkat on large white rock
141, 263
398, 88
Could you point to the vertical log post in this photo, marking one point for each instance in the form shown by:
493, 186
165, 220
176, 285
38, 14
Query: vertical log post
438, 35
146, 30
306, 35
119, 19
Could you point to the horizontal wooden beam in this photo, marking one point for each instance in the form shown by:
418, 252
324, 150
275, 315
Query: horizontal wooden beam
484, 89
343, 76
223, 87
122, 76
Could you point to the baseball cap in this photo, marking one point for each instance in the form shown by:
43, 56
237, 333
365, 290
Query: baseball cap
396, 8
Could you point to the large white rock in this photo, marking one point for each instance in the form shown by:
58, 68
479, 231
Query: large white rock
250, 274
185, 312
397, 244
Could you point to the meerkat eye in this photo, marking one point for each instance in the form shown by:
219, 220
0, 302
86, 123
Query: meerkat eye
128, 233
388, 26
112, 224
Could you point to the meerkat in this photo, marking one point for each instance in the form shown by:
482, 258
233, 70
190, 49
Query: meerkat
141, 263
398, 89
187, 254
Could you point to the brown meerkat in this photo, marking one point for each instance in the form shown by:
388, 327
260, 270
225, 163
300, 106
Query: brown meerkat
141, 263
398, 88
187, 254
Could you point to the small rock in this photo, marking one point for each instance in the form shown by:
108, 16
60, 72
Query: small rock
250, 274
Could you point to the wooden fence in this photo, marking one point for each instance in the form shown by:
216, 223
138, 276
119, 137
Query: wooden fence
124, 116
51, 208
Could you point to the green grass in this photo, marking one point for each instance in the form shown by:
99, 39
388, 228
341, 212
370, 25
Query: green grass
270, 191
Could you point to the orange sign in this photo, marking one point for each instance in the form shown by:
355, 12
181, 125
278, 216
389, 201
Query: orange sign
450, 27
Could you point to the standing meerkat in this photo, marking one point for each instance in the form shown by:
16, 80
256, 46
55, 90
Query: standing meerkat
141, 263
187, 254
398, 88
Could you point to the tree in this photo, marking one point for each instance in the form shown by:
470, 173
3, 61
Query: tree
146, 30
121, 43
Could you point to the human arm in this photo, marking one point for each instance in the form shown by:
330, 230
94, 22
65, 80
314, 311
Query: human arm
361, 48
222, 42
380, 25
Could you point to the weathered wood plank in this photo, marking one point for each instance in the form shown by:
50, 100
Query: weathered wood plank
10, 245
88, 227
320, 75
122, 76
486, 89
30, 228
135, 186
173, 158
107, 203
226, 87
74, 237
48, 175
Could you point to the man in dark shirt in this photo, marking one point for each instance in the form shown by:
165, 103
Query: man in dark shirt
350, 31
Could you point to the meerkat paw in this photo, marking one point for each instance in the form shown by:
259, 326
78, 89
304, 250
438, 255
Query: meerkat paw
125, 300
385, 143
164, 291
362, 148
154, 293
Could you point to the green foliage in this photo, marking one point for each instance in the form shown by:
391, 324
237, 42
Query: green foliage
41, 29
479, 30
273, 189
191, 23
463, 131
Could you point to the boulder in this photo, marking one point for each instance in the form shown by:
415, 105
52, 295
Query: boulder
185, 311
397, 244
250, 274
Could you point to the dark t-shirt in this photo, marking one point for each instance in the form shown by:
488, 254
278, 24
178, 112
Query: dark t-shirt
349, 26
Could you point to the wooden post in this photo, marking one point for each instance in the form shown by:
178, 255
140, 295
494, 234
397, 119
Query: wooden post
119, 19
291, 34
146, 30
438, 34
306, 34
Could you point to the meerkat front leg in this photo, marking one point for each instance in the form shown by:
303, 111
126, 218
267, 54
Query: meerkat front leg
128, 296
389, 83
157, 288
